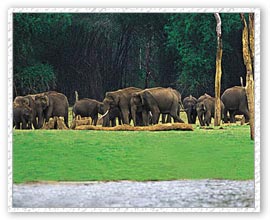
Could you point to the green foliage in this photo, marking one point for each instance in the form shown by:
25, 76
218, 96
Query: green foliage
36, 35
194, 37
98, 52
86, 155
36, 78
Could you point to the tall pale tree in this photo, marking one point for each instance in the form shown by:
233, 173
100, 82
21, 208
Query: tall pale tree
248, 56
218, 71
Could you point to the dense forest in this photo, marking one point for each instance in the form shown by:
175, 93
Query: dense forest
98, 52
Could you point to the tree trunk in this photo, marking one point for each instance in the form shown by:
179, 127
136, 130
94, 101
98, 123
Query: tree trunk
147, 64
248, 53
218, 72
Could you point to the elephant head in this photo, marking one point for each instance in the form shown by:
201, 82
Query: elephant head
110, 101
21, 100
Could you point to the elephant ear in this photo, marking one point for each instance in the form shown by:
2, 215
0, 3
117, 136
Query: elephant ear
43, 99
142, 99
116, 98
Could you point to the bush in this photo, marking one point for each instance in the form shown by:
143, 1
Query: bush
36, 78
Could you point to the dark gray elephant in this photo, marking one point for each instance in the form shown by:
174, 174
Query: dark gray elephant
235, 102
158, 101
137, 112
189, 104
22, 116
114, 114
118, 99
28, 101
205, 108
88, 108
50, 104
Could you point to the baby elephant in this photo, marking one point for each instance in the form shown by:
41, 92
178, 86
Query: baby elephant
22, 117
205, 108
88, 108
189, 104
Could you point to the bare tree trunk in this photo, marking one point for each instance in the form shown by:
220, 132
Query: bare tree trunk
248, 53
218, 72
147, 65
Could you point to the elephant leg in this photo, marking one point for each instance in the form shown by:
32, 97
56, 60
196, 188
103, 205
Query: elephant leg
66, 120
246, 115
95, 118
145, 117
113, 122
34, 121
125, 116
225, 115
48, 114
189, 117
207, 118
200, 116
169, 119
119, 120
232, 118
17, 125
163, 118
193, 119
176, 118
155, 118
133, 114
24, 124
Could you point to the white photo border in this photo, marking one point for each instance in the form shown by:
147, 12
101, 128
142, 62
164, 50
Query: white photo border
256, 11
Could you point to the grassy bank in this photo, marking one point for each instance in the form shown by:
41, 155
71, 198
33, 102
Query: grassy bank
42, 155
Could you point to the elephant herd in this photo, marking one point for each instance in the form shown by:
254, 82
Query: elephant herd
233, 101
142, 106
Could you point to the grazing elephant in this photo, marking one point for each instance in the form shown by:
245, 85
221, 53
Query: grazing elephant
190, 108
235, 102
118, 99
205, 108
50, 104
22, 116
158, 100
88, 108
29, 101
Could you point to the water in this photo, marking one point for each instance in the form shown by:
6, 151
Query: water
152, 194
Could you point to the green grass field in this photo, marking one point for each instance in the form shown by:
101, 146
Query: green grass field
70, 155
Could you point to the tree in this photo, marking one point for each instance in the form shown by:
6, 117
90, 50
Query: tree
218, 71
248, 55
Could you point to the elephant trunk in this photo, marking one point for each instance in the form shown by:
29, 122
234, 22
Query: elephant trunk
104, 109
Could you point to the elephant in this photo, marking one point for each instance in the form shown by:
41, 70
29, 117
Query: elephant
189, 104
235, 102
29, 101
22, 116
118, 99
50, 104
88, 108
113, 114
205, 108
158, 100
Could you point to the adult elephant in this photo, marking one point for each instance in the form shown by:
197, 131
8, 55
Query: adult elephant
235, 102
22, 116
88, 108
189, 104
24, 104
50, 104
158, 100
118, 99
205, 108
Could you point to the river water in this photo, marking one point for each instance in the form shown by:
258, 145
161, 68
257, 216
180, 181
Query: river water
125, 194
